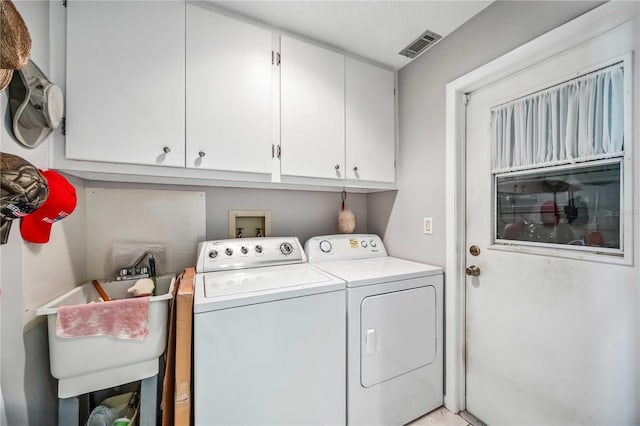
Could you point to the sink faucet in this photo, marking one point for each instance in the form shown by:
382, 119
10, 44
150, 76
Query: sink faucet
136, 271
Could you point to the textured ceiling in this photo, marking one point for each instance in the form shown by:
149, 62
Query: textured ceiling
376, 30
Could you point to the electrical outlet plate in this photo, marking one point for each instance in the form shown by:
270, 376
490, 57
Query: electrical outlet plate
249, 223
428, 226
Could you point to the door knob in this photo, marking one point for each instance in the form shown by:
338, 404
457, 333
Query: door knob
473, 271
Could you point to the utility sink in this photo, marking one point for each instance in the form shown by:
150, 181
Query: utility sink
86, 364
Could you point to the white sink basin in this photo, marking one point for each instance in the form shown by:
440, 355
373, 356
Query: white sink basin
86, 364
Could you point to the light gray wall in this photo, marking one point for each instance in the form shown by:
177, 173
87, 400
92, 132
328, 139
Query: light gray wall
301, 214
498, 29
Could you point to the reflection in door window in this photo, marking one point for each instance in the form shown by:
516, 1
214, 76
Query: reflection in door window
574, 206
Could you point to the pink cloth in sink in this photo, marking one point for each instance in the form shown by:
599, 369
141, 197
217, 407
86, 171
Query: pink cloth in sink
122, 318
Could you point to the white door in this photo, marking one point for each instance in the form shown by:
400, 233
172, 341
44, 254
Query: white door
370, 122
550, 339
229, 103
125, 82
312, 110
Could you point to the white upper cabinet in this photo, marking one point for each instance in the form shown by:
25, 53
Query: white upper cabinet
229, 119
125, 82
186, 85
370, 129
312, 110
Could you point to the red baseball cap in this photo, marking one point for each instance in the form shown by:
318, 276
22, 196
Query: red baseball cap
60, 203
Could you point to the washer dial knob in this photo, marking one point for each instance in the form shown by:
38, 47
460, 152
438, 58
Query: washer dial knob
213, 254
244, 250
325, 246
228, 251
363, 243
286, 249
258, 248
372, 243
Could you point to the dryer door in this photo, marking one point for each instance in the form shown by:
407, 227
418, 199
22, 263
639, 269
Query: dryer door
398, 333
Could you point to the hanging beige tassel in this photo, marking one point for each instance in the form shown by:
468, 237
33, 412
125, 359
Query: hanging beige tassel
346, 218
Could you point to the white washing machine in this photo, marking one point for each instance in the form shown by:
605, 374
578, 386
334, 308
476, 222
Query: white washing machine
269, 336
394, 329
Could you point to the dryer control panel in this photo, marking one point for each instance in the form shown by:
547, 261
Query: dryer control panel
241, 253
344, 247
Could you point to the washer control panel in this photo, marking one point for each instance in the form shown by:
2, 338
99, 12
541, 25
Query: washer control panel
343, 247
241, 253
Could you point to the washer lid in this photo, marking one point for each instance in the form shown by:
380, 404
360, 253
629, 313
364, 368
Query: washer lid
218, 290
377, 270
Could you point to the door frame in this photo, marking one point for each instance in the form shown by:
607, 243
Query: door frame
583, 28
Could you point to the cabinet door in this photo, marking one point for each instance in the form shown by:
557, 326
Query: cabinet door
229, 100
312, 110
125, 82
370, 118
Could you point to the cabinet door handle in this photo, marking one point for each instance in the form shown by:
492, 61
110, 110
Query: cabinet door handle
337, 166
201, 154
166, 149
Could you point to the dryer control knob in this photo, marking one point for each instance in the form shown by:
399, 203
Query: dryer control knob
228, 251
372, 243
363, 243
286, 249
244, 250
325, 246
258, 249
213, 254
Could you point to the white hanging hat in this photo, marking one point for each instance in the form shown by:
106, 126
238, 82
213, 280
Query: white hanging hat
36, 105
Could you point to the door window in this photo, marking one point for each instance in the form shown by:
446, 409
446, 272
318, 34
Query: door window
575, 206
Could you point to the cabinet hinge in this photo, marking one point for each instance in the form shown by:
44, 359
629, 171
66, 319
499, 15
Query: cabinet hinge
466, 98
64, 126
275, 58
279, 151
273, 151
394, 91
64, 3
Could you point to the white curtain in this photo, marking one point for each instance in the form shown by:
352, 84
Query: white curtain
578, 120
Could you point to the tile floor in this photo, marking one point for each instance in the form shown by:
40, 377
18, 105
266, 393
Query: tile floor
440, 417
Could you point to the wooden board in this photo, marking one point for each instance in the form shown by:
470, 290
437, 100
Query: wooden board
176, 390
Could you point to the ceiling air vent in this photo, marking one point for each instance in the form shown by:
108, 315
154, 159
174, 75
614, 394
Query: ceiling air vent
421, 44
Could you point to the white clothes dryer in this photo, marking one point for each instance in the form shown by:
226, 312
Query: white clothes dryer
269, 336
394, 329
